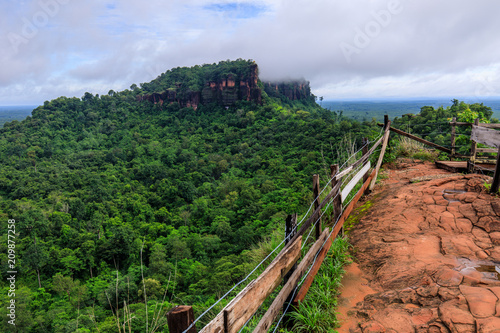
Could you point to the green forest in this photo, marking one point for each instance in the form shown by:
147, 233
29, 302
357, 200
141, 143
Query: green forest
124, 208
114, 198
433, 124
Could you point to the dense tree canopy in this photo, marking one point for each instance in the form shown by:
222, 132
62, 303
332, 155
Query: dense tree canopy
116, 198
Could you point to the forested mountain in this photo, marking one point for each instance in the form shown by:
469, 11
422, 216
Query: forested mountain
181, 174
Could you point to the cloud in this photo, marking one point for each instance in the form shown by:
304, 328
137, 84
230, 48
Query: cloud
236, 10
358, 48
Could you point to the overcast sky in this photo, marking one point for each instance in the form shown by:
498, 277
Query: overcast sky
347, 49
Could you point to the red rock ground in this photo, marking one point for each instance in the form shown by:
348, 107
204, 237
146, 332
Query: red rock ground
426, 253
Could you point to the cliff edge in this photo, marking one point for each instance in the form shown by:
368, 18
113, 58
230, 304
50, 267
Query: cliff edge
224, 84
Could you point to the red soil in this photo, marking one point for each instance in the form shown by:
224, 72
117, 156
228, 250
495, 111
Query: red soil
424, 250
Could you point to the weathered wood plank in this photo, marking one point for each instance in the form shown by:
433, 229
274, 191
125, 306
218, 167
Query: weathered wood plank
348, 209
365, 152
216, 325
314, 270
481, 125
275, 307
486, 150
453, 134
316, 203
360, 161
348, 188
321, 256
316, 213
496, 176
337, 203
473, 147
290, 230
382, 152
368, 154
490, 125
246, 303
343, 173
486, 136
416, 138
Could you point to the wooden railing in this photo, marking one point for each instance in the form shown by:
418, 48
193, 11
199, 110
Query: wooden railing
474, 149
482, 133
286, 266
488, 137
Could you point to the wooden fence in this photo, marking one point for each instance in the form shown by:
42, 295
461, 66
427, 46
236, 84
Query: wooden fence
488, 137
286, 269
286, 266
474, 149
481, 133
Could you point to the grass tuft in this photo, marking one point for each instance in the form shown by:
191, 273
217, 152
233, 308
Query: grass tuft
317, 313
406, 147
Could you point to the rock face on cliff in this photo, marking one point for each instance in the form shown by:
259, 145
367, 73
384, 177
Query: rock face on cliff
292, 90
230, 89
224, 84
224, 87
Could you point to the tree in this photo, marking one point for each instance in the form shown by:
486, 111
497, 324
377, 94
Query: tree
24, 319
222, 228
63, 285
36, 258
87, 97
152, 287
158, 262
32, 154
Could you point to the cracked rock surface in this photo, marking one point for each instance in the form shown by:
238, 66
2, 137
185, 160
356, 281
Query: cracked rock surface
427, 251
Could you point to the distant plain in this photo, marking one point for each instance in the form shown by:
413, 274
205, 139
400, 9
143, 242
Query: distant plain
361, 110
366, 110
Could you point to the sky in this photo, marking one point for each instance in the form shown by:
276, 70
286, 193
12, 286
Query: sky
350, 49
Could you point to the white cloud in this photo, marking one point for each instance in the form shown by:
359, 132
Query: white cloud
397, 48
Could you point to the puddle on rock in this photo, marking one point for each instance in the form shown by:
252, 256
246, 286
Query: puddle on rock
450, 195
489, 270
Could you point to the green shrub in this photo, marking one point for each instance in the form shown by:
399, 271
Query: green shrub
317, 313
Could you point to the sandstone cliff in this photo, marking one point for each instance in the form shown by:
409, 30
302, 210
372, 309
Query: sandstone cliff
223, 84
226, 90
292, 90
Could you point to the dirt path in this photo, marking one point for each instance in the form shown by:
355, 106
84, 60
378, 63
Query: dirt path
426, 253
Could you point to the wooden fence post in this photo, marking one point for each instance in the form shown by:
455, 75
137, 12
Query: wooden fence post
179, 319
337, 201
453, 135
387, 127
316, 203
470, 167
365, 152
275, 308
496, 177
290, 231
473, 148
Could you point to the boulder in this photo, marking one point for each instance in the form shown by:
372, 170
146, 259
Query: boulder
455, 318
482, 302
